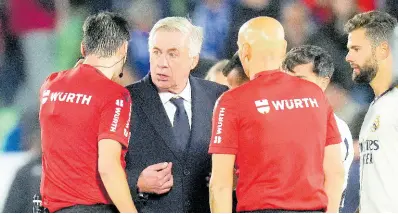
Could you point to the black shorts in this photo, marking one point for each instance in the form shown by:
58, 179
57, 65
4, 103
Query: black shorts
96, 208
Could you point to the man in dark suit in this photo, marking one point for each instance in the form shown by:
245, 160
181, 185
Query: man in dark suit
167, 162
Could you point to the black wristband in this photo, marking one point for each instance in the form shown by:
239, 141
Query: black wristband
142, 195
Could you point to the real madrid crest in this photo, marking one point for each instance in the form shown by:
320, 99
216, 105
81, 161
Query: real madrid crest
376, 124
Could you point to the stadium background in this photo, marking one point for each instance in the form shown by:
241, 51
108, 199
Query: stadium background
38, 37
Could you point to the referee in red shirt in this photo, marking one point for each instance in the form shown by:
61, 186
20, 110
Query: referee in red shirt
84, 117
279, 129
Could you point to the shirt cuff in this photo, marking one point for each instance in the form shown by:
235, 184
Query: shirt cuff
223, 150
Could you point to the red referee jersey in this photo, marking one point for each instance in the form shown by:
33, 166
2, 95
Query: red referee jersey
278, 126
78, 108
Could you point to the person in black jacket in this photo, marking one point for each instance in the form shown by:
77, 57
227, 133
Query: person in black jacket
168, 162
27, 179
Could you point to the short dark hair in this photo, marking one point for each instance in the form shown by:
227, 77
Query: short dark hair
321, 60
379, 25
233, 62
104, 33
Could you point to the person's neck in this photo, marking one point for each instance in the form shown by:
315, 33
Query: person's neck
101, 64
256, 68
382, 81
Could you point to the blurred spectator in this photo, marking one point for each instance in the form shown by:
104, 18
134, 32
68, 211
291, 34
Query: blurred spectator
391, 6
366, 5
244, 10
215, 73
297, 23
27, 179
33, 21
203, 67
70, 35
320, 10
142, 15
97, 6
333, 38
214, 17
11, 60
9, 130
178, 7
2, 33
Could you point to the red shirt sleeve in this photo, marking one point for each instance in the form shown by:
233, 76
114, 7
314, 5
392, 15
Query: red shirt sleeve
224, 139
115, 118
332, 132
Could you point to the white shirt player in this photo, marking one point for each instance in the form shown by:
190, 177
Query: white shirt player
379, 155
347, 150
347, 147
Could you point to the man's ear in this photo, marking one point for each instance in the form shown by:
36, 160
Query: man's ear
125, 47
82, 51
383, 50
195, 61
246, 52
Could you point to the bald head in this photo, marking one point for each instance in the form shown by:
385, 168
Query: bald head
261, 30
262, 45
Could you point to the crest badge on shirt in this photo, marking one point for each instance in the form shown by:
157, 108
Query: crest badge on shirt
262, 106
376, 124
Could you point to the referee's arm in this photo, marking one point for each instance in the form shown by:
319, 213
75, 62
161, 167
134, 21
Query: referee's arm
221, 183
223, 147
332, 165
113, 175
334, 176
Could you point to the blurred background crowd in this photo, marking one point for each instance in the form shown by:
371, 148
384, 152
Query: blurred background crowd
38, 37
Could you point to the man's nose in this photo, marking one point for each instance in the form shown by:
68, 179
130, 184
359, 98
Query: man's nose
162, 61
348, 57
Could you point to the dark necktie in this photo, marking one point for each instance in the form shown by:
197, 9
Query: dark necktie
181, 127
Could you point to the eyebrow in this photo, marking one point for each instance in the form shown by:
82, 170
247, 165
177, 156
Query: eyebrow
169, 50
353, 46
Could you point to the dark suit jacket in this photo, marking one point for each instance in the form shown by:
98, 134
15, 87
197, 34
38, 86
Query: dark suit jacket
152, 142
25, 185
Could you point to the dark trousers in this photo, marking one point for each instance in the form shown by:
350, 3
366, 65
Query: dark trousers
234, 201
283, 211
96, 208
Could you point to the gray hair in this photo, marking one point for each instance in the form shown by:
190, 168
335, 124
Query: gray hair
184, 26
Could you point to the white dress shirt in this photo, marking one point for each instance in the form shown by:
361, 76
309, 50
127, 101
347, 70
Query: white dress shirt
171, 108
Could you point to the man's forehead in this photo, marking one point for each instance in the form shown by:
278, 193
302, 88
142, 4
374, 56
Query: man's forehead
170, 39
358, 35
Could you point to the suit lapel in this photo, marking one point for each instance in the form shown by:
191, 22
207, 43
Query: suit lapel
155, 112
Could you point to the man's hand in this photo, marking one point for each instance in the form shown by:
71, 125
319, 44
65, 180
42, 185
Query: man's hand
156, 179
